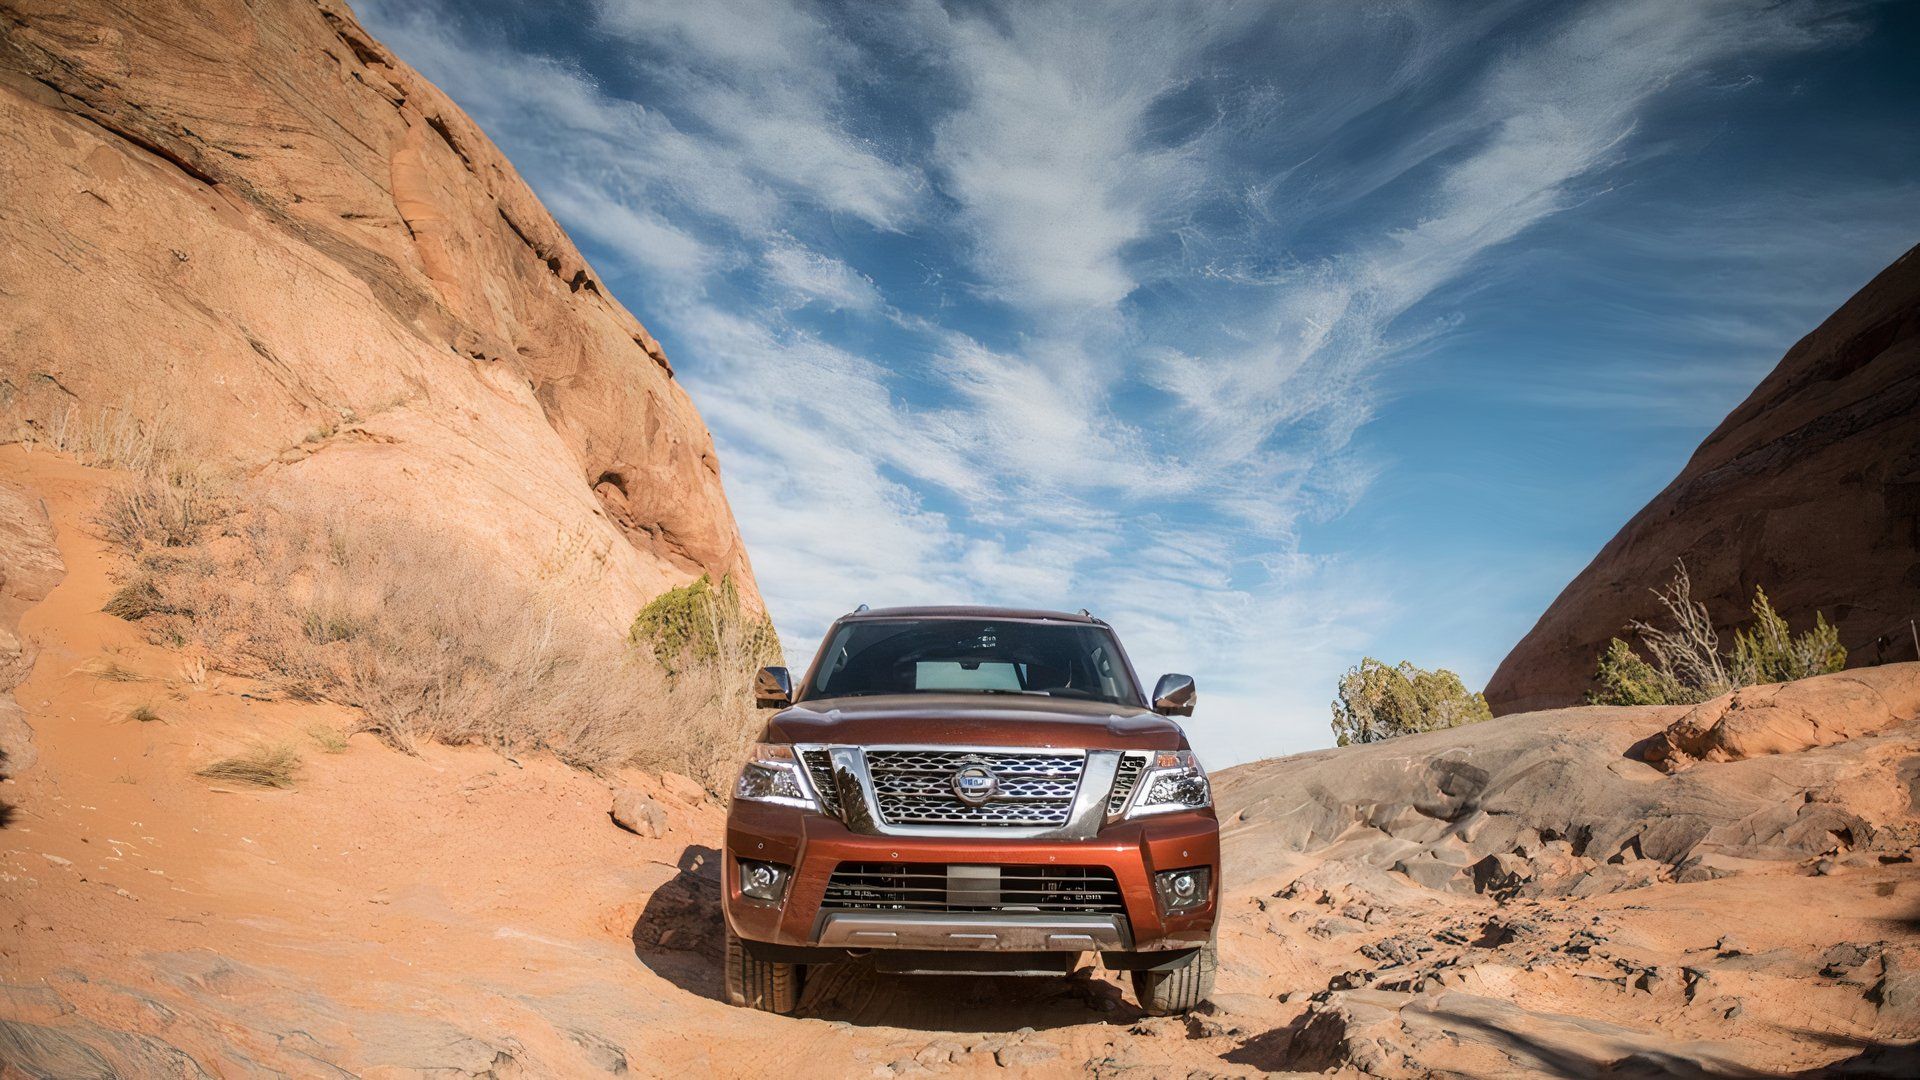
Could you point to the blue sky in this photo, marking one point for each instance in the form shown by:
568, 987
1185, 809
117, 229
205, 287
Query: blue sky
1275, 334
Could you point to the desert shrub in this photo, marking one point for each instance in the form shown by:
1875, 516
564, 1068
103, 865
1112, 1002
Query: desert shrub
1626, 679
163, 507
686, 628
112, 671
1768, 652
135, 600
1687, 665
328, 738
112, 437
1378, 701
262, 766
433, 642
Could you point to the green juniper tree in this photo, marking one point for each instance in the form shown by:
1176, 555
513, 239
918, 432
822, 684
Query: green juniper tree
1378, 701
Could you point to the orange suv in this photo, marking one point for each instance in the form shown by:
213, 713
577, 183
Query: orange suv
961, 789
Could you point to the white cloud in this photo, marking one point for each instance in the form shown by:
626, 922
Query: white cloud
1047, 155
641, 237
1542, 119
762, 79
811, 276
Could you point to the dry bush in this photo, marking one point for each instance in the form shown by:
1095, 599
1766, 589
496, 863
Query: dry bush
262, 766
163, 507
110, 437
328, 738
112, 671
432, 642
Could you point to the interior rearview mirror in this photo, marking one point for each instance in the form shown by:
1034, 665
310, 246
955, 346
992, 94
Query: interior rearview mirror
773, 688
1174, 695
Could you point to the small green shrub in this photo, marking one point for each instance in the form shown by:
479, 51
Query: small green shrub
686, 627
1767, 651
1625, 679
1379, 702
1687, 666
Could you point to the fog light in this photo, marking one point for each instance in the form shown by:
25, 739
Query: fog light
763, 880
1182, 890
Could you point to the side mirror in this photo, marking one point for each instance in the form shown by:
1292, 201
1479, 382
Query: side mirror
773, 688
1174, 695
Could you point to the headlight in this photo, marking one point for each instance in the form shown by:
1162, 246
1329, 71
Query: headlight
772, 774
1172, 780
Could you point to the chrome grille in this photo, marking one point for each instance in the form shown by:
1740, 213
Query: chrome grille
924, 887
1124, 777
914, 787
819, 765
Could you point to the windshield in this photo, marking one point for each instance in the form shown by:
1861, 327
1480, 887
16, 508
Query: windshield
972, 656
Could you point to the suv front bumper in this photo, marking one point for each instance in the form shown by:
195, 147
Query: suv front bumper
814, 845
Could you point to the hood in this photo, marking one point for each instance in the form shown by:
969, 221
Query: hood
975, 720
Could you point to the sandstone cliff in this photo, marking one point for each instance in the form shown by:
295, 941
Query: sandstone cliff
1811, 489
255, 231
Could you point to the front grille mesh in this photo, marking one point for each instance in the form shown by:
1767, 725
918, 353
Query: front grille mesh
819, 765
914, 787
923, 887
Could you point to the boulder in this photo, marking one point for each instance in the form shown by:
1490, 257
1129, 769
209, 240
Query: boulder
1782, 718
636, 813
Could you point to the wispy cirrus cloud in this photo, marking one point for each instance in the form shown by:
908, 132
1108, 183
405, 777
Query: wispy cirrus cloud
762, 79
811, 276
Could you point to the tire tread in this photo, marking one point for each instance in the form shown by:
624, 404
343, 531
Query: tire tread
1185, 988
760, 984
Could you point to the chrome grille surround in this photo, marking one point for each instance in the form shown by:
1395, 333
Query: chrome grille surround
819, 768
1125, 776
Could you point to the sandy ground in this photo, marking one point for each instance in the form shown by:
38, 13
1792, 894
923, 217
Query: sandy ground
458, 913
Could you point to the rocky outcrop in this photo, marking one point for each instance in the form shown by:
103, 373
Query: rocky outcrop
1810, 489
258, 233
1532, 896
1565, 803
30, 567
1782, 718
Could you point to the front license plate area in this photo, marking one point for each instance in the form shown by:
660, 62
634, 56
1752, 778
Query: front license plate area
973, 887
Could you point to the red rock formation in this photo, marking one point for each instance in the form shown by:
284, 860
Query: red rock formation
1811, 489
255, 229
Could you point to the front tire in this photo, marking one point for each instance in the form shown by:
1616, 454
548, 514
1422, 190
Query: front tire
1170, 993
760, 984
